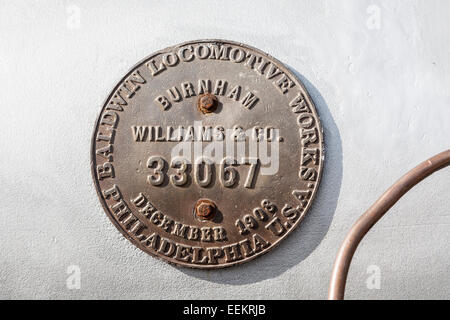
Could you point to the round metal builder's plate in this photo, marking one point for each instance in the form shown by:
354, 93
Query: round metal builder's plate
207, 154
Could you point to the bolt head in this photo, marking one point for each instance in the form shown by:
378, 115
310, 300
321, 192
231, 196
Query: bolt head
207, 103
205, 209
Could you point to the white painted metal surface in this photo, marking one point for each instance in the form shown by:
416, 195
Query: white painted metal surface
378, 71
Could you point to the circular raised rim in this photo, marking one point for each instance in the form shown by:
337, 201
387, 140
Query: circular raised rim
281, 66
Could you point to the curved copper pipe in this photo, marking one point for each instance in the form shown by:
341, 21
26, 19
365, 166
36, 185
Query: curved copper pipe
375, 212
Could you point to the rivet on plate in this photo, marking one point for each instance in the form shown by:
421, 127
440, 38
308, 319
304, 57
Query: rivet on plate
205, 209
207, 103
